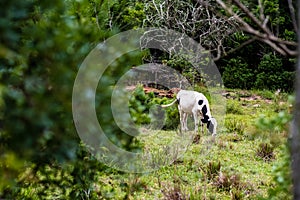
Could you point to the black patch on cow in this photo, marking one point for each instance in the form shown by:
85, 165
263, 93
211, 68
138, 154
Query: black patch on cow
204, 110
200, 102
178, 100
210, 127
205, 119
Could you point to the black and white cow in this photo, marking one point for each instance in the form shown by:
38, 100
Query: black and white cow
195, 103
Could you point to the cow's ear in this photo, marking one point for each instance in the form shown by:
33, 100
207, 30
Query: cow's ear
210, 126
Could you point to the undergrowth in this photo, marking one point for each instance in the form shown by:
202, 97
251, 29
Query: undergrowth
249, 159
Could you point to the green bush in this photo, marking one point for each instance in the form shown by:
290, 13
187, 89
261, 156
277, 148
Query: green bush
265, 151
212, 169
237, 74
273, 130
233, 107
270, 74
231, 182
282, 176
42, 45
140, 105
56, 181
235, 126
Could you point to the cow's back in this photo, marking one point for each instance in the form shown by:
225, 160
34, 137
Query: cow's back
187, 100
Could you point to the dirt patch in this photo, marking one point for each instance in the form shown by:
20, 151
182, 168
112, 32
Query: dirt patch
157, 92
246, 97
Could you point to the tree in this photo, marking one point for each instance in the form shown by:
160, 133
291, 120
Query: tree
258, 27
295, 130
42, 45
215, 24
197, 19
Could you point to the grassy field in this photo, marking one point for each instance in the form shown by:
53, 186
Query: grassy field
242, 162
248, 159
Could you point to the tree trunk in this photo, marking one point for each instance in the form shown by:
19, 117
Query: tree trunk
295, 129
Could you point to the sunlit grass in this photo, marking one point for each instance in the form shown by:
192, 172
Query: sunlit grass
227, 166
235, 148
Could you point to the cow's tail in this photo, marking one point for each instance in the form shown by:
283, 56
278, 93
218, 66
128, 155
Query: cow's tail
170, 104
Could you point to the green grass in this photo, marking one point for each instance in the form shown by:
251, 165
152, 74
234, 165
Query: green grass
223, 167
248, 175
188, 172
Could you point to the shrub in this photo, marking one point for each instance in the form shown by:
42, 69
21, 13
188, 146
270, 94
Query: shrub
212, 169
231, 183
276, 125
54, 181
235, 126
282, 177
265, 151
273, 128
225, 182
233, 107
139, 106
237, 74
272, 75
266, 94
172, 118
174, 193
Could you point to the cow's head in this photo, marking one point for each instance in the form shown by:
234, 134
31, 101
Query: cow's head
212, 126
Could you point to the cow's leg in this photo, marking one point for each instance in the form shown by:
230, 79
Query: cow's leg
181, 116
185, 116
196, 121
201, 124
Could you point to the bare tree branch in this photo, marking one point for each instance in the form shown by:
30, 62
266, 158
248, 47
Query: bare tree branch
241, 46
252, 17
261, 11
196, 19
281, 46
97, 17
265, 21
293, 16
211, 28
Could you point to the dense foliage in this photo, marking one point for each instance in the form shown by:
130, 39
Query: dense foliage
252, 59
269, 74
140, 105
42, 46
